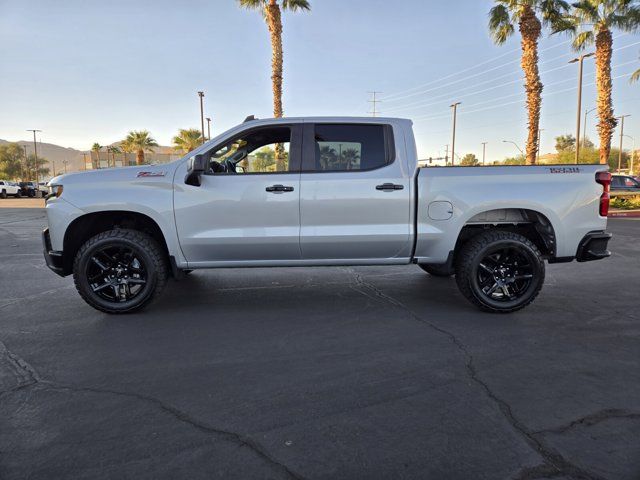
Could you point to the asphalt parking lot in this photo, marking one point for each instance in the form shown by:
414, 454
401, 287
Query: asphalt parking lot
319, 373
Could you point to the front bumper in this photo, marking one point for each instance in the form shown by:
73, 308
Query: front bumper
53, 258
593, 246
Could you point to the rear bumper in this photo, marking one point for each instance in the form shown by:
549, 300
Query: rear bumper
594, 246
53, 258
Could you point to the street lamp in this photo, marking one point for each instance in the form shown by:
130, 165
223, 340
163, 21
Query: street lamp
484, 152
201, 95
633, 153
580, 60
208, 128
621, 118
510, 141
35, 152
584, 135
453, 143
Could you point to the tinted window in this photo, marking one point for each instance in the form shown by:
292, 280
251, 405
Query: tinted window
630, 182
616, 182
350, 147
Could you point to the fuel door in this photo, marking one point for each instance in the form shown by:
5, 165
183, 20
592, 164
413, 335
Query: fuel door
440, 210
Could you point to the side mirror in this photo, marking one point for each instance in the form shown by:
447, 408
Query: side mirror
197, 166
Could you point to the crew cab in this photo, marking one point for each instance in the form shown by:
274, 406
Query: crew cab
322, 191
8, 188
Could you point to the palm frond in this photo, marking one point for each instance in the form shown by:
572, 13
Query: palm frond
252, 4
583, 40
295, 5
500, 24
635, 76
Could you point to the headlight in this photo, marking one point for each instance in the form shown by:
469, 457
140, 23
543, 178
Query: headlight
54, 191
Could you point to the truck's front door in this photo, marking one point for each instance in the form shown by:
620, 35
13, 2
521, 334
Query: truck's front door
354, 194
247, 206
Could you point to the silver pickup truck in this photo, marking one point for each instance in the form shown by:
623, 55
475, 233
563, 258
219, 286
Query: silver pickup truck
322, 191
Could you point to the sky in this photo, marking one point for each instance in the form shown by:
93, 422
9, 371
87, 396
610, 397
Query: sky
86, 71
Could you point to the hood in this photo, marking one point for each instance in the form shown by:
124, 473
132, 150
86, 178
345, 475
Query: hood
140, 172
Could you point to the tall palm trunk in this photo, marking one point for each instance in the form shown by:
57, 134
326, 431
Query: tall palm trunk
607, 122
274, 22
140, 157
530, 29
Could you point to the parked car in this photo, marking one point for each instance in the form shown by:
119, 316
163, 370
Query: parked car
625, 183
28, 189
8, 188
43, 189
349, 192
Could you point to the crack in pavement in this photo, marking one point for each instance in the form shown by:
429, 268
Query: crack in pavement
552, 458
589, 420
29, 377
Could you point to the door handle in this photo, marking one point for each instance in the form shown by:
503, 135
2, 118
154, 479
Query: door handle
389, 187
279, 189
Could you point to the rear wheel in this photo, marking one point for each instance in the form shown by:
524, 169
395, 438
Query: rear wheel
120, 271
436, 270
500, 271
3, 194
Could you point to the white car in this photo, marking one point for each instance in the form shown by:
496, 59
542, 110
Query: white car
322, 191
9, 188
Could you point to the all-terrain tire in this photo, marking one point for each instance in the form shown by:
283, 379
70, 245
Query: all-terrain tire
3, 194
473, 253
151, 256
437, 270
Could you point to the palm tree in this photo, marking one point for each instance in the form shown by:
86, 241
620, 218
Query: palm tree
141, 141
96, 147
530, 16
590, 22
270, 10
350, 158
112, 149
187, 139
125, 147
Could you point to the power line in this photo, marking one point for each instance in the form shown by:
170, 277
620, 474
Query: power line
374, 102
400, 95
431, 101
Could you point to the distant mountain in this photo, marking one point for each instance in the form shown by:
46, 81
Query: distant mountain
75, 158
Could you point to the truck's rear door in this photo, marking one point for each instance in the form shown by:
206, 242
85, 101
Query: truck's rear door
354, 193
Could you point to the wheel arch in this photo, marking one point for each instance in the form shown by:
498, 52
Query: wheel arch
90, 224
532, 224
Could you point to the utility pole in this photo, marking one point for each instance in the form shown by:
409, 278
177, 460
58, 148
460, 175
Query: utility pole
201, 95
374, 102
621, 118
35, 152
208, 128
453, 142
484, 152
579, 60
584, 135
446, 154
540, 130
84, 157
26, 163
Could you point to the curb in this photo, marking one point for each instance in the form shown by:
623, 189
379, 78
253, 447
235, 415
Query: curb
625, 214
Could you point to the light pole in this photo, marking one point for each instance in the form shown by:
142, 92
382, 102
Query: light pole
208, 128
540, 130
510, 141
453, 142
621, 118
35, 152
584, 135
633, 153
580, 60
26, 163
201, 95
484, 152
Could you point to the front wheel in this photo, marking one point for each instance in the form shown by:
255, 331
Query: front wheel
500, 271
3, 194
120, 271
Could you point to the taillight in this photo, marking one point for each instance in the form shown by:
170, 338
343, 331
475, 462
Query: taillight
604, 179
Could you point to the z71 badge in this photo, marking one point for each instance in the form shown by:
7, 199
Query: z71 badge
564, 170
151, 174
